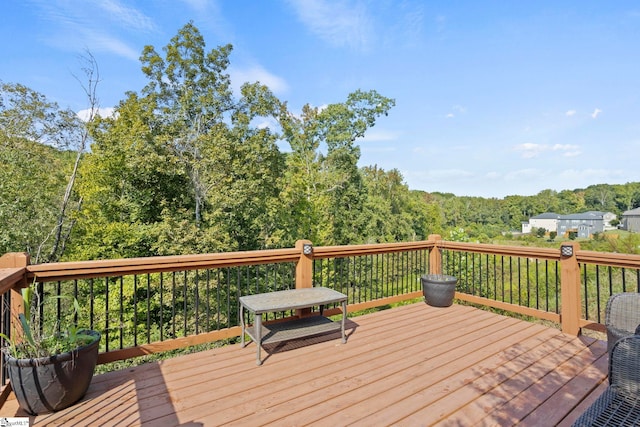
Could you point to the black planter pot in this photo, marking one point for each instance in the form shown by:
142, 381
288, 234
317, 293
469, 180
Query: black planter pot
438, 289
48, 384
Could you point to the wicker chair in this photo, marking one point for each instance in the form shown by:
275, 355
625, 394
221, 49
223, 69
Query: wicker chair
622, 316
619, 405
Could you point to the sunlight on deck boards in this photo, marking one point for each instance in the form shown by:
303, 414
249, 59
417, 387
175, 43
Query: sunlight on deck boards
412, 365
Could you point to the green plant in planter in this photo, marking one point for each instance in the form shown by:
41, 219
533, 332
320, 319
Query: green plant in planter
38, 342
49, 369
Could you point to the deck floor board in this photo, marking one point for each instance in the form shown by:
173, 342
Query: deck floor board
410, 365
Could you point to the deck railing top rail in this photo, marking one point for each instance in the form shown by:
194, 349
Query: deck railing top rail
612, 259
111, 267
370, 249
115, 267
519, 251
9, 277
608, 258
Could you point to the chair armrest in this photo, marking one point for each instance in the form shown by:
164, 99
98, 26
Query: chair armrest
623, 311
624, 365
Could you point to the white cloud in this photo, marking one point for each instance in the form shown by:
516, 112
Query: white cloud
109, 44
379, 135
572, 153
439, 174
267, 123
564, 147
524, 174
593, 175
102, 112
596, 113
127, 17
258, 74
412, 22
340, 23
384, 149
530, 150
456, 109
568, 150
87, 25
198, 5
570, 113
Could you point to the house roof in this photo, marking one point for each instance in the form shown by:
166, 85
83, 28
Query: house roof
546, 215
632, 212
584, 216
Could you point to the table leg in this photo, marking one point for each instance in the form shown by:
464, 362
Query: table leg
344, 316
258, 332
242, 325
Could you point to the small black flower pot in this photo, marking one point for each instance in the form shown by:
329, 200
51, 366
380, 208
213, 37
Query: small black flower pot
438, 289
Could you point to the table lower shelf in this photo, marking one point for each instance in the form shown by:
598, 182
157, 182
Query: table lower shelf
293, 329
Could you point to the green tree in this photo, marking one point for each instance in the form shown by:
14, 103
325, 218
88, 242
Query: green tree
184, 148
129, 181
546, 201
624, 196
635, 197
571, 201
32, 179
389, 207
520, 209
38, 200
323, 188
191, 94
600, 197
245, 167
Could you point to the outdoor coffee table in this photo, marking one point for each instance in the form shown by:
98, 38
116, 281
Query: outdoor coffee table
291, 299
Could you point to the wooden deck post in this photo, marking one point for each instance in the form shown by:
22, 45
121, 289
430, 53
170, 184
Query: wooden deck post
16, 260
304, 267
304, 270
570, 288
13, 260
435, 256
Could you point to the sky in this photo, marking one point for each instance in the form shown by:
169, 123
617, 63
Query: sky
493, 98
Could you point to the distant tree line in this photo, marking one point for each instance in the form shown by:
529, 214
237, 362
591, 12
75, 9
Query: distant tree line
184, 165
484, 219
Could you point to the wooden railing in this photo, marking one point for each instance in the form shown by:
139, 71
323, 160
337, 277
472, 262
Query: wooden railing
395, 267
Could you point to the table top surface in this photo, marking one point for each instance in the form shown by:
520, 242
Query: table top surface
291, 299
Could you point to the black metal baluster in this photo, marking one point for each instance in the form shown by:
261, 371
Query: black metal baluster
106, 313
135, 309
148, 308
121, 312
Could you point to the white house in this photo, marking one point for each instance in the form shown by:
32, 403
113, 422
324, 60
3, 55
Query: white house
547, 220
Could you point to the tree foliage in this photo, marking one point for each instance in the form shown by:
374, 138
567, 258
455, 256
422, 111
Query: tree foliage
323, 180
38, 174
181, 165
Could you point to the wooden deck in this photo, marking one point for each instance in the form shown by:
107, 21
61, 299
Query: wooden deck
411, 366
